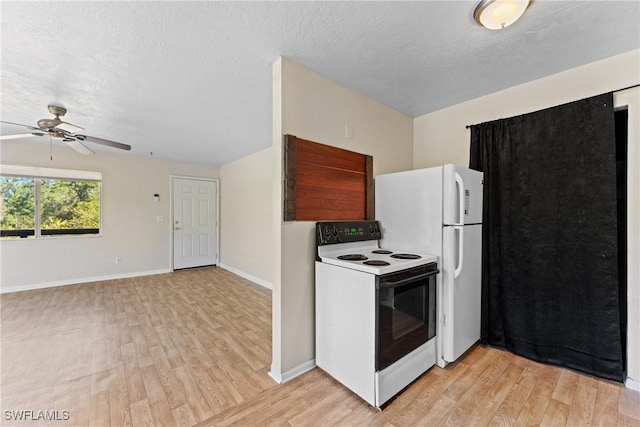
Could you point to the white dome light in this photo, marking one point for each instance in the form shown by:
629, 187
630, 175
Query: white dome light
499, 14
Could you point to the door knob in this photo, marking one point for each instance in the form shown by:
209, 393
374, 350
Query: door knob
176, 228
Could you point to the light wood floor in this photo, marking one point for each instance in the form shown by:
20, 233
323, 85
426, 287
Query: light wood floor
194, 348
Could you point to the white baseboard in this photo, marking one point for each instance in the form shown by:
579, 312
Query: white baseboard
244, 275
292, 373
77, 281
275, 376
632, 384
29, 287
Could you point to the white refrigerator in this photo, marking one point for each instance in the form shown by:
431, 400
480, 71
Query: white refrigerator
439, 211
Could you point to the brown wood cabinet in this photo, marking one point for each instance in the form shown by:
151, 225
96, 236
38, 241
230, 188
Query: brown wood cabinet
326, 183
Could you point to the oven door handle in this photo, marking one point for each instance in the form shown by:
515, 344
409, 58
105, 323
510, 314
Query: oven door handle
411, 279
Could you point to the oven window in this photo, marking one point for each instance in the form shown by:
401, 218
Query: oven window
406, 318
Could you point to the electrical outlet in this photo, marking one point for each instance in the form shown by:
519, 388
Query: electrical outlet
118, 260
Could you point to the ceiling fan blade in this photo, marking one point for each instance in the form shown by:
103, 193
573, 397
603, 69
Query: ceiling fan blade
103, 142
68, 127
20, 135
20, 124
78, 146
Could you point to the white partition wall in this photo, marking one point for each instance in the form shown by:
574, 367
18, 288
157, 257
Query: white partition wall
312, 107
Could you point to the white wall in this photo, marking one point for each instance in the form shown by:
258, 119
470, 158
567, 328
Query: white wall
312, 107
246, 226
441, 137
129, 226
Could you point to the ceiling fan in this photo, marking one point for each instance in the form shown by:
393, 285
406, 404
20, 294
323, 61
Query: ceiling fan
66, 132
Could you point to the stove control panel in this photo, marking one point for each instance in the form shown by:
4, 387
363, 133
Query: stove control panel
331, 233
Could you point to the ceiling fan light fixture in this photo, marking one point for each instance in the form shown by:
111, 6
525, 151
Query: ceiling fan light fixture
499, 14
49, 123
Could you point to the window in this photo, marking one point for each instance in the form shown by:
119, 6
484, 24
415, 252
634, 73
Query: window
39, 202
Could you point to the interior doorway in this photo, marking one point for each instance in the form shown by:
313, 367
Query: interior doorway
627, 109
621, 124
195, 222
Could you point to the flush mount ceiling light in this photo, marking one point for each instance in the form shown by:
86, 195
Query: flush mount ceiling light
499, 14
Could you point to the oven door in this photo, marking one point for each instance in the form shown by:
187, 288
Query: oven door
405, 312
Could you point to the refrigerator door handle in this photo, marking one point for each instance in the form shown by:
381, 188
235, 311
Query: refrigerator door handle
460, 185
458, 268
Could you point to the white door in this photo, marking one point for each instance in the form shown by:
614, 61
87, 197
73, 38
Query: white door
462, 288
195, 238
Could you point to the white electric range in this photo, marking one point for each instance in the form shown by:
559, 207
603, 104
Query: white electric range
375, 310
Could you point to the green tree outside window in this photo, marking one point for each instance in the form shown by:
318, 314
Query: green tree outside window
64, 205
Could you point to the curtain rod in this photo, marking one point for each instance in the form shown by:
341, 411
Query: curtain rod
613, 91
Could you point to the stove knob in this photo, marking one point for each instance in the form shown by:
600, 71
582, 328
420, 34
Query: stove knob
327, 231
335, 232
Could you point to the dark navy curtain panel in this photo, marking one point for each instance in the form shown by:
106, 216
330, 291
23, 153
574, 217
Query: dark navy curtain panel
550, 256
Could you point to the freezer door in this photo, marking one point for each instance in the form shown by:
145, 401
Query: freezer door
409, 208
461, 288
462, 195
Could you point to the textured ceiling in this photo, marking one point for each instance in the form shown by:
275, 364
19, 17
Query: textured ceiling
192, 80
